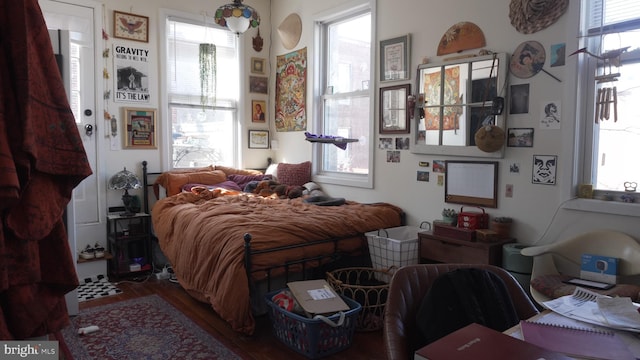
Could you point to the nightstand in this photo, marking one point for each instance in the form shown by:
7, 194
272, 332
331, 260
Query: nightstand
129, 243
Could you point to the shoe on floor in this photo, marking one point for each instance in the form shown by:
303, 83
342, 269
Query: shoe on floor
98, 250
88, 253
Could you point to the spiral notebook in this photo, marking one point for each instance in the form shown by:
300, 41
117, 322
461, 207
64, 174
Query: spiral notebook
583, 343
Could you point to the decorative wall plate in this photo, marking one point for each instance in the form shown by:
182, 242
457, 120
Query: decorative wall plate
461, 36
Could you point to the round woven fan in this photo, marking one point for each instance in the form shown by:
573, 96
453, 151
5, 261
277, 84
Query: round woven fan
461, 36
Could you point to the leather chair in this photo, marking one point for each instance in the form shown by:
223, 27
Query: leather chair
408, 287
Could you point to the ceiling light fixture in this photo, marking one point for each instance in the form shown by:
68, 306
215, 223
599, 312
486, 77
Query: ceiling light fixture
237, 17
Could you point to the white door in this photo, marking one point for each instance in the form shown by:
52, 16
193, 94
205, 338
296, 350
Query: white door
73, 36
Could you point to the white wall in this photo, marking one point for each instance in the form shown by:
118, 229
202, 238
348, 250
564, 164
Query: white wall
540, 211
116, 157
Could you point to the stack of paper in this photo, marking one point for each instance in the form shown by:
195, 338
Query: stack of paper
591, 307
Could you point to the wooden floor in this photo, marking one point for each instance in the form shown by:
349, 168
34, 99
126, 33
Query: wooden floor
261, 345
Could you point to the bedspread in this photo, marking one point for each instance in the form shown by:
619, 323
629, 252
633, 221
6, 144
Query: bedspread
202, 237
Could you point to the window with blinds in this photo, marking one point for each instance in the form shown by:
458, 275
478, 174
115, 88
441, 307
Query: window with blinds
203, 119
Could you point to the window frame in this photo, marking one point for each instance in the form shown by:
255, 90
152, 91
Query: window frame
586, 132
165, 139
321, 20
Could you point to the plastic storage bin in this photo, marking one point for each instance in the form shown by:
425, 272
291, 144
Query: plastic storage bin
393, 248
313, 338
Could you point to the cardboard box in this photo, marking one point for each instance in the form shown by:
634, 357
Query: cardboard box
599, 268
317, 297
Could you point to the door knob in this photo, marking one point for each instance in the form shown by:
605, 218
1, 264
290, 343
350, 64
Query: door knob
88, 129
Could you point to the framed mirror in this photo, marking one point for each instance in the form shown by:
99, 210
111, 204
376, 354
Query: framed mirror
455, 99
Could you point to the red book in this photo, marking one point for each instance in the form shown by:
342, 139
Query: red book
582, 343
479, 342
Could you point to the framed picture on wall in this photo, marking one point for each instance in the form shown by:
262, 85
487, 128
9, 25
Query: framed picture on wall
394, 58
258, 108
258, 84
130, 26
140, 128
394, 114
257, 65
258, 139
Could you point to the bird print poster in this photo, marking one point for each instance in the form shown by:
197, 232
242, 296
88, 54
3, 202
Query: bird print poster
130, 26
132, 74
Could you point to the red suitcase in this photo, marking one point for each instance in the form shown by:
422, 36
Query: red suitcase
473, 220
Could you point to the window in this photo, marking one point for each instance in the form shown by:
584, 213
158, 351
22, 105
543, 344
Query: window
613, 132
202, 123
345, 97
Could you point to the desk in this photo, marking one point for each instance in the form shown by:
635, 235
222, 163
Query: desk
632, 340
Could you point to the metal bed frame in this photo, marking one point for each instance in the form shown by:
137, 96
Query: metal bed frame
249, 252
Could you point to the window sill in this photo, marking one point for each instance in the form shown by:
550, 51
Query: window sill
603, 207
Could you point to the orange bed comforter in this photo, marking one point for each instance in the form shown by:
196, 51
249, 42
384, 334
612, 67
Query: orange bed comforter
202, 237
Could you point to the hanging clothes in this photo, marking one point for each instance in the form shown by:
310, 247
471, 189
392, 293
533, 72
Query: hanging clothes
42, 159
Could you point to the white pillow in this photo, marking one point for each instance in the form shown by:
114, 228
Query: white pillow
273, 171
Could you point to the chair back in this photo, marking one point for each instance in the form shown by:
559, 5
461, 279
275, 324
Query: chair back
565, 257
410, 285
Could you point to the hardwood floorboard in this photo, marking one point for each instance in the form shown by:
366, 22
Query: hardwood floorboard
261, 345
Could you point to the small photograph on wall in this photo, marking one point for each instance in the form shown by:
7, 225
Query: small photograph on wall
514, 168
519, 99
520, 137
402, 143
550, 115
393, 156
544, 169
557, 53
439, 166
385, 144
422, 176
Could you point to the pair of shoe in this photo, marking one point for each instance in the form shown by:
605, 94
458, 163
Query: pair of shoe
89, 252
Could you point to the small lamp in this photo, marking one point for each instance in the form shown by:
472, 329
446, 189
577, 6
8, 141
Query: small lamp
125, 180
237, 17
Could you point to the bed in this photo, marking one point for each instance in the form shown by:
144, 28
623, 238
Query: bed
228, 247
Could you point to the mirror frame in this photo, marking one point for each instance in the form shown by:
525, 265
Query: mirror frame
500, 120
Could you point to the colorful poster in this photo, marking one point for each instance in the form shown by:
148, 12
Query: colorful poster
451, 110
291, 85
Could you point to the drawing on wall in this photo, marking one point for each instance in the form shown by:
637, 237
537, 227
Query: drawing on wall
550, 115
544, 169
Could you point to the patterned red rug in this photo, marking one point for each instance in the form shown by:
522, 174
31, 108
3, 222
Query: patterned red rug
142, 328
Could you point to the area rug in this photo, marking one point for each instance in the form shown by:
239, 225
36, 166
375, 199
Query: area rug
96, 287
142, 328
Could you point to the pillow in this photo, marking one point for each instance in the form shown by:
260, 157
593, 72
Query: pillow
163, 179
175, 182
294, 174
273, 171
243, 180
229, 171
228, 185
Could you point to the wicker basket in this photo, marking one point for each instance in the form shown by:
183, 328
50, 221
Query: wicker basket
361, 285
